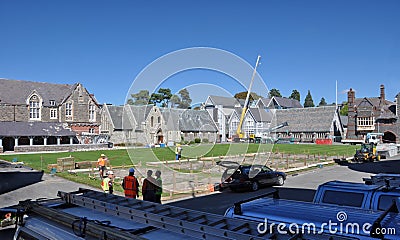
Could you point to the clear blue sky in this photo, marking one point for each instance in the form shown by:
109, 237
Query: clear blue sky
104, 45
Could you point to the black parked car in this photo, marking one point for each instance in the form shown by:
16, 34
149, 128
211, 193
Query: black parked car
248, 177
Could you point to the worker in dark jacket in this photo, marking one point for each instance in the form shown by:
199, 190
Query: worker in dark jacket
149, 187
130, 184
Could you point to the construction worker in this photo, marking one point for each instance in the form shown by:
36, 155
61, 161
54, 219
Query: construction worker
158, 186
130, 185
149, 187
101, 164
107, 183
178, 152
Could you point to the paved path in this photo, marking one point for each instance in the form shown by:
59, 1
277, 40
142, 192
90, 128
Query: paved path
47, 188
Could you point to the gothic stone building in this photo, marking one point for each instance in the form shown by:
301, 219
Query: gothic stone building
35, 115
149, 125
374, 114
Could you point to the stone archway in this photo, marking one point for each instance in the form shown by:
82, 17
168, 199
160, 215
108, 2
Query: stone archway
389, 137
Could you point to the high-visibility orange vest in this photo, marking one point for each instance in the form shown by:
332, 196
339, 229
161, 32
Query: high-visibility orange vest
101, 162
130, 187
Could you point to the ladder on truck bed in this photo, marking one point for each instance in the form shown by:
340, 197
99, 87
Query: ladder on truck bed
174, 219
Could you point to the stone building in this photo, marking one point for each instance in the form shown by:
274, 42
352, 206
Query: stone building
149, 125
373, 114
309, 124
28, 103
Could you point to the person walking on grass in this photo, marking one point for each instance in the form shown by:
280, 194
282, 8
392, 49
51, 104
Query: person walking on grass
149, 187
158, 192
130, 184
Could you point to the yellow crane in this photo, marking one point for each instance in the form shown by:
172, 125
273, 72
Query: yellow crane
240, 134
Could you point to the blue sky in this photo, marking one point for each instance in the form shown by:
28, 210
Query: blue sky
305, 45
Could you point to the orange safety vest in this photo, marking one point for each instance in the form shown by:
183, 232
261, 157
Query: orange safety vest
130, 187
101, 162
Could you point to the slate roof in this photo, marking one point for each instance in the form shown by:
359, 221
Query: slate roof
17, 91
261, 115
11, 129
140, 112
375, 101
345, 120
317, 119
119, 117
188, 120
196, 120
171, 118
227, 102
283, 102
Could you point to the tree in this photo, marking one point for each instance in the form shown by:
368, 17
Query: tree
295, 95
186, 101
165, 94
140, 98
322, 102
175, 101
155, 98
274, 93
308, 102
243, 95
345, 109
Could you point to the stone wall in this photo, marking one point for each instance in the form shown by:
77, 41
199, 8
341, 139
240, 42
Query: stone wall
49, 148
9, 113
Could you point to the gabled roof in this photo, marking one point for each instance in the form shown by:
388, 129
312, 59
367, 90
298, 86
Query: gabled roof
188, 120
119, 117
196, 120
34, 129
171, 117
226, 102
17, 91
375, 101
140, 113
281, 101
316, 119
287, 102
261, 115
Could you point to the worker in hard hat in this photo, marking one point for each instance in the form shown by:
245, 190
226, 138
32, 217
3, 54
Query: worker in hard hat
130, 184
108, 182
178, 152
101, 164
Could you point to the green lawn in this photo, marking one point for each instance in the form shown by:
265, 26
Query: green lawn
143, 155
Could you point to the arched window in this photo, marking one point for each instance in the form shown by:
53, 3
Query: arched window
34, 107
152, 121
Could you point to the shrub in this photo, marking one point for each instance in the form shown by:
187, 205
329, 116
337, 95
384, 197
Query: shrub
205, 140
191, 142
197, 140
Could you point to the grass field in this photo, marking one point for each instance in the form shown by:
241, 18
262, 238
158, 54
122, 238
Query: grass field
122, 157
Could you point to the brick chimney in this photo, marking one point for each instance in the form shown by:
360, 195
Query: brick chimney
382, 96
350, 97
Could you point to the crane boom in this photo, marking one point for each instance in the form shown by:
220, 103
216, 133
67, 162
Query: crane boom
246, 102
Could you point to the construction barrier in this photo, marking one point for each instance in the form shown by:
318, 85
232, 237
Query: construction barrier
324, 141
